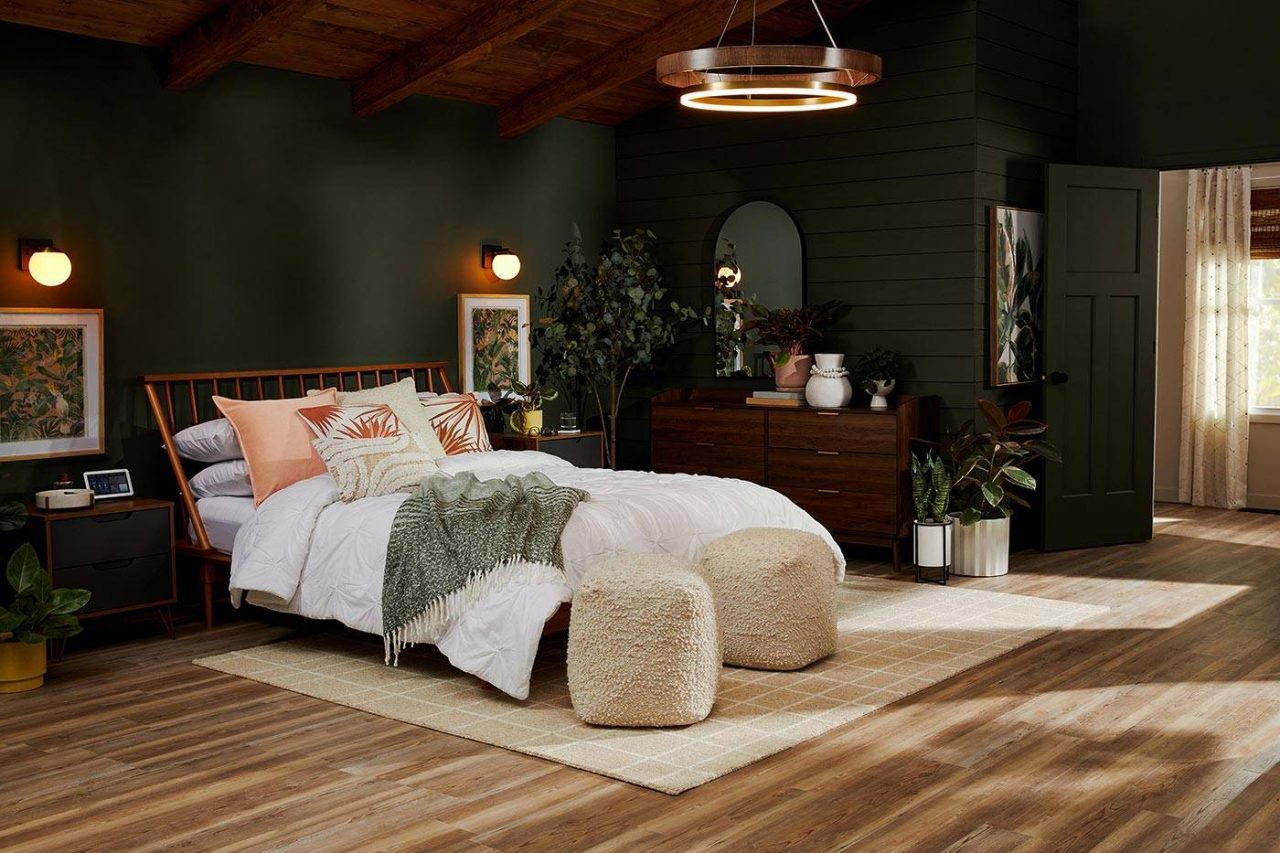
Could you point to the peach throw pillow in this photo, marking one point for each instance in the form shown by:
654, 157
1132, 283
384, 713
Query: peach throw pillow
276, 442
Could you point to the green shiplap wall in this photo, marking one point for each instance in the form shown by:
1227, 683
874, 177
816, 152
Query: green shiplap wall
891, 196
254, 222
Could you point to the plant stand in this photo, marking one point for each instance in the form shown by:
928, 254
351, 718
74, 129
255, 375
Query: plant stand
938, 551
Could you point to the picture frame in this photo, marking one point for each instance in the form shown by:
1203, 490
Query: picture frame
1015, 282
493, 339
52, 396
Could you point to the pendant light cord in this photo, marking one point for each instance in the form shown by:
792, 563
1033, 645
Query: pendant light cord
727, 21
823, 21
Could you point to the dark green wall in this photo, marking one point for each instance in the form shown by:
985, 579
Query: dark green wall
890, 196
254, 222
1179, 83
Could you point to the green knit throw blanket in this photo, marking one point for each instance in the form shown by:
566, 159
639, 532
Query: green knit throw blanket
460, 538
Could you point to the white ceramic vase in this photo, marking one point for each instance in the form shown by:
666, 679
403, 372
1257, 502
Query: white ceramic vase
935, 543
828, 386
884, 387
982, 548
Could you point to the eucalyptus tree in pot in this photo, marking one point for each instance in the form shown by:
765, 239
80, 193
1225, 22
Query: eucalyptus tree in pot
988, 468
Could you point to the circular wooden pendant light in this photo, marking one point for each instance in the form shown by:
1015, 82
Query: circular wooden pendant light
769, 78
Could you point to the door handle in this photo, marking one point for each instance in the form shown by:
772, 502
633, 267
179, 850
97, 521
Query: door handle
1058, 378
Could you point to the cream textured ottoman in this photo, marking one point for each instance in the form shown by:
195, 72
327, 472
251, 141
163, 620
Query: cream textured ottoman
775, 597
643, 648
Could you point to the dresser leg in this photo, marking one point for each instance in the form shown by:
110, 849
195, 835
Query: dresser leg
896, 548
166, 619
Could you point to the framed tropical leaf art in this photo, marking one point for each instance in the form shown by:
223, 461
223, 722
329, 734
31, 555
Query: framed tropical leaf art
493, 341
51, 395
1015, 253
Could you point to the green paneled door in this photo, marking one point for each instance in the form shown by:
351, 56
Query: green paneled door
1100, 317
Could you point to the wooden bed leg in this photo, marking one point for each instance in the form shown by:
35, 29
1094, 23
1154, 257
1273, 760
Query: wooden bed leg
484, 685
207, 579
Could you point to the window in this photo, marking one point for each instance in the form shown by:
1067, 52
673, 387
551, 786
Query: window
1264, 335
1264, 283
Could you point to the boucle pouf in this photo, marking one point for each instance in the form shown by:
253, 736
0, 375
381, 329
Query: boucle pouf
775, 597
643, 648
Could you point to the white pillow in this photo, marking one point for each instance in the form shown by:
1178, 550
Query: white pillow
225, 479
211, 441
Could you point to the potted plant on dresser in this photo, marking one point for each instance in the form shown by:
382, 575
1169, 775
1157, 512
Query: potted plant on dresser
988, 468
796, 332
933, 526
36, 614
876, 372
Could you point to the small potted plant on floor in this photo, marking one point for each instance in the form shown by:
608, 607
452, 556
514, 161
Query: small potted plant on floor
931, 495
527, 418
37, 613
796, 332
876, 372
988, 468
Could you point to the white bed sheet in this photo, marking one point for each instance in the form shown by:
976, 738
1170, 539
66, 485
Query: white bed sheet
223, 516
339, 550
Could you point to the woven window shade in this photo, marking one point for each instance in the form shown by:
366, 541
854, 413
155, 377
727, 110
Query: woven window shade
1264, 223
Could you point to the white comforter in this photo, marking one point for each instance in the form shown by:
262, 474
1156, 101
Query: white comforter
306, 552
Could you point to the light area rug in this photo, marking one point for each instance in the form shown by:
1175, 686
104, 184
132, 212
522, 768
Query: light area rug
895, 639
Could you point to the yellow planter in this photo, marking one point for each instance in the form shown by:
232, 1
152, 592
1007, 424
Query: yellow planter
528, 423
22, 666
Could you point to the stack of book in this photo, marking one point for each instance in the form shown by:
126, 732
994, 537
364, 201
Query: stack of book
781, 399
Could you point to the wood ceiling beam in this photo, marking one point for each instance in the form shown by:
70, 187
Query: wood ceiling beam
226, 35
481, 32
688, 28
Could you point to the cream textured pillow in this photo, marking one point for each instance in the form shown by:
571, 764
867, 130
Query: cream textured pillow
458, 423
402, 397
368, 467
277, 446
340, 421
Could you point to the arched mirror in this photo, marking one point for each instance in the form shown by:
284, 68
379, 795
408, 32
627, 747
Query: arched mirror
759, 259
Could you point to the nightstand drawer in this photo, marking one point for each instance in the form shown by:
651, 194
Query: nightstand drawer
117, 584
108, 537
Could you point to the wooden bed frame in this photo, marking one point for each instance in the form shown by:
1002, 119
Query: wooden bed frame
180, 400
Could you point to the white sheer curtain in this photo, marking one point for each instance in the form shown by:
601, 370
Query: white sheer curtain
1214, 460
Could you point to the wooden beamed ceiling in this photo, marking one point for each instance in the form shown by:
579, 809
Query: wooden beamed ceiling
535, 60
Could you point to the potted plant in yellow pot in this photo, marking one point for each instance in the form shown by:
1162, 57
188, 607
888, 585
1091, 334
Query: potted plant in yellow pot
37, 613
527, 418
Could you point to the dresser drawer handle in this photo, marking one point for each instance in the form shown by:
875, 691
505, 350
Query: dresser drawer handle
830, 414
828, 491
828, 452
704, 408
704, 444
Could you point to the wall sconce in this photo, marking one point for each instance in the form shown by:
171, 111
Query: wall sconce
501, 261
48, 265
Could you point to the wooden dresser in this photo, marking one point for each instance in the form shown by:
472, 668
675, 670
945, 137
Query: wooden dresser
848, 468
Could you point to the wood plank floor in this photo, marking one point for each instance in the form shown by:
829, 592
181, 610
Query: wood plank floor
1154, 727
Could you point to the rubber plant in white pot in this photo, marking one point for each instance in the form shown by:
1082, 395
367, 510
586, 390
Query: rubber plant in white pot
988, 469
931, 495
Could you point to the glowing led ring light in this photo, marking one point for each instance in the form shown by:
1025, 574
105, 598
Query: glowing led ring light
791, 97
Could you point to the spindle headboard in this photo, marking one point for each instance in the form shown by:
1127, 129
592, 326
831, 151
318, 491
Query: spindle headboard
180, 400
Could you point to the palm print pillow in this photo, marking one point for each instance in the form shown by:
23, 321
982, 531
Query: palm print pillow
458, 423
347, 422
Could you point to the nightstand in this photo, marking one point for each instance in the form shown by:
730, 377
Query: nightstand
119, 550
584, 449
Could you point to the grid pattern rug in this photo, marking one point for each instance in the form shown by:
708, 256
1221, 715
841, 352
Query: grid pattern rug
895, 639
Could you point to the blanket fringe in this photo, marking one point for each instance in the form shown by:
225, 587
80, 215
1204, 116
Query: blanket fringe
430, 624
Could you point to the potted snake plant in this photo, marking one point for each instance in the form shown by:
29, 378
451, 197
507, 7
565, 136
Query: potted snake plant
933, 526
37, 612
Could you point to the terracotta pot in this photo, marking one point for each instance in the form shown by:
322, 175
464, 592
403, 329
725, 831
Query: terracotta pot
22, 666
792, 374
